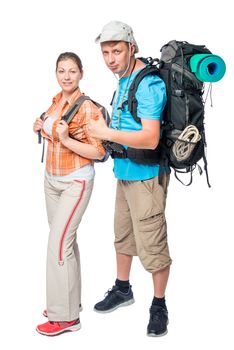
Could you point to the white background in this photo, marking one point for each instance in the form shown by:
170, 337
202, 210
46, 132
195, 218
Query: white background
200, 220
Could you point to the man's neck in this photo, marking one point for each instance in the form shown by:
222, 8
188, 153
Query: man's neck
134, 65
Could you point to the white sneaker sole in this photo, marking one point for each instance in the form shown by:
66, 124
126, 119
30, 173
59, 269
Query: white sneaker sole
157, 335
126, 303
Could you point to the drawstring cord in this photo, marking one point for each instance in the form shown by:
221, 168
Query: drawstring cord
209, 92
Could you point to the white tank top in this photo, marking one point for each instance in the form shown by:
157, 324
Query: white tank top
47, 125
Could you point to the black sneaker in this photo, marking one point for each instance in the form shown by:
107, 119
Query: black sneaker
114, 298
158, 321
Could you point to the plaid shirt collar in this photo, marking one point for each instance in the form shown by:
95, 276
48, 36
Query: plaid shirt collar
69, 100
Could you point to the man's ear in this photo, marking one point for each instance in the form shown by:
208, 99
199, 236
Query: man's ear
133, 49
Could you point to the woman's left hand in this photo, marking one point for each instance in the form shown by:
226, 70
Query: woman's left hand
98, 128
62, 131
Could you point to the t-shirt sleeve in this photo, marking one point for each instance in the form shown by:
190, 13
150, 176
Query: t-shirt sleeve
151, 97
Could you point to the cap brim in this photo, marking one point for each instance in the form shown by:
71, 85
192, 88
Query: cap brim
97, 40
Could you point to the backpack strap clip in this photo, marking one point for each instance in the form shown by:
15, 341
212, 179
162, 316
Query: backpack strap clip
178, 93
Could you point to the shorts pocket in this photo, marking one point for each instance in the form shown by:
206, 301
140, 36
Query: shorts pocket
152, 231
148, 185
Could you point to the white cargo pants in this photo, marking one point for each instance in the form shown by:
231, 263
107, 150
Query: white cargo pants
66, 203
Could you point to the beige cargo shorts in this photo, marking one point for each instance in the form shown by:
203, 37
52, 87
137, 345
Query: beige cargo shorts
140, 223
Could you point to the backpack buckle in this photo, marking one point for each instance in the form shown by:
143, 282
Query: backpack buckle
178, 93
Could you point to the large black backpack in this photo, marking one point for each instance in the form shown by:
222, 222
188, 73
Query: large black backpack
183, 142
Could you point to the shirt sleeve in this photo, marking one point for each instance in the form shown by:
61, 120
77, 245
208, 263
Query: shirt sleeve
78, 127
151, 97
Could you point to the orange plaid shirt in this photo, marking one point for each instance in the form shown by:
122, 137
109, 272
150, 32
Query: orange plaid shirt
61, 161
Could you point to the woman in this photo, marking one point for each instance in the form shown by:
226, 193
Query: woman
68, 185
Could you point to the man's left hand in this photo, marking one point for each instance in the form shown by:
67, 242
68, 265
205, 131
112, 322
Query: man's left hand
98, 128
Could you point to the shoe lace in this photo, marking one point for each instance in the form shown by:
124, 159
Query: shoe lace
111, 291
55, 323
156, 315
63, 323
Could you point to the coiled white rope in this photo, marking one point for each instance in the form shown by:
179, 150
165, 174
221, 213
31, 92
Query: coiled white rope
186, 142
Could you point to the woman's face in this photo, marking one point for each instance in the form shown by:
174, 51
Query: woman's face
68, 75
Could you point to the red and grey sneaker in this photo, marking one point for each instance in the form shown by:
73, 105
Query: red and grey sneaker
46, 314
54, 328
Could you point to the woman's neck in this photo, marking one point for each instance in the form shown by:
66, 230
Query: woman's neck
67, 95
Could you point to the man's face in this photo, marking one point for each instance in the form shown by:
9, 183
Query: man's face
116, 56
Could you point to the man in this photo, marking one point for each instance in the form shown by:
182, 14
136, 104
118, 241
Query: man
140, 225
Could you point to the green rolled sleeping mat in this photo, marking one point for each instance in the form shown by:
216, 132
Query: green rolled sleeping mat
207, 67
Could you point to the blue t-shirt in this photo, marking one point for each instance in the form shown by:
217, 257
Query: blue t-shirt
151, 97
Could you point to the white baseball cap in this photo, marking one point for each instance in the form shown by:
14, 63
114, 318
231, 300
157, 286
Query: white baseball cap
117, 31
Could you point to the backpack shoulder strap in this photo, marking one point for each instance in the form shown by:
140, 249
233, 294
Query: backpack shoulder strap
132, 101
74, 108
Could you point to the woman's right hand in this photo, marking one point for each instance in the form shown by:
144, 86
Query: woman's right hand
37, 126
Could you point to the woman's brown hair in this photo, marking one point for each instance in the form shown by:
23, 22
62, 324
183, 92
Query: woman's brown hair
70, 55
